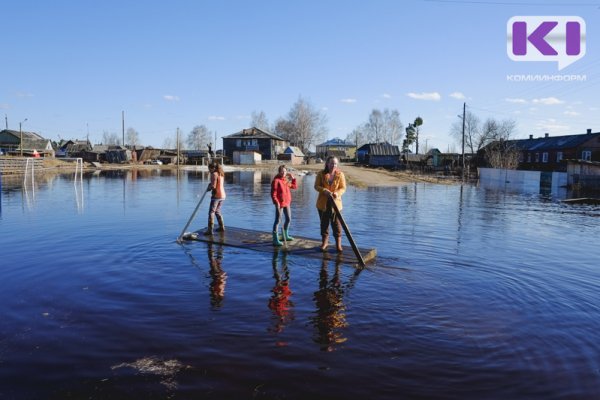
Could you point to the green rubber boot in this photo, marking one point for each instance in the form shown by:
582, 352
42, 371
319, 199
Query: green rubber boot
286, 232
276, 241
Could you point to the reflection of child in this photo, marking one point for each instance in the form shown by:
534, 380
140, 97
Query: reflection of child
280, 303
282, 198
218, 278
331, 311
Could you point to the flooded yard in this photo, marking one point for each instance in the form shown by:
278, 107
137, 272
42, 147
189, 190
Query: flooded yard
475, 293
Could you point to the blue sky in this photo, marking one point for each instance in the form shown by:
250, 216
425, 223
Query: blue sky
73, 66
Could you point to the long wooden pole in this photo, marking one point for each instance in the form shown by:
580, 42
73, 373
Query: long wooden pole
348, 234
191, 218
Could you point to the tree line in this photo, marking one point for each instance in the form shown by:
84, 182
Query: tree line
305, 126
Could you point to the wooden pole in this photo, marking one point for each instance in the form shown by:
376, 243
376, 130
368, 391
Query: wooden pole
191, 218
348, 234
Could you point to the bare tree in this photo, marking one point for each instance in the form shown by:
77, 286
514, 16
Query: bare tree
472, 132
383, 126
168, 143
500, 150
199, 137
133, 137
260, 121
304, 125
357, 136
110, 139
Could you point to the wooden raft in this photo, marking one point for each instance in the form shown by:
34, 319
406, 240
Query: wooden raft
262, 241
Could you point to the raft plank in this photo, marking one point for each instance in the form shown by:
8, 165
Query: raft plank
263, 241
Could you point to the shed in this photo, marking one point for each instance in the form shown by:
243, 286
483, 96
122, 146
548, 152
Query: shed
293, 155
246, 157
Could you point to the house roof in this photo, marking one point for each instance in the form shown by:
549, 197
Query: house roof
553, 142
26, 135
380, 149
253, 133
294, 150
337, 142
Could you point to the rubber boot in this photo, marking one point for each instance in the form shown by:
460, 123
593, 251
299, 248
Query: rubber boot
221, 223
286, 232
338, 244
324, 242
209, 229
276, 241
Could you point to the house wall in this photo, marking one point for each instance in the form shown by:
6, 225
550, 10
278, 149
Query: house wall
520, 181
267, 147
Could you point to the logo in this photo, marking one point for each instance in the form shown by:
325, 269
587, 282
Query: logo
536, 38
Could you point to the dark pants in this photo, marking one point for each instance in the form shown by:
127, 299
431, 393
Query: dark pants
215, 208
330, 217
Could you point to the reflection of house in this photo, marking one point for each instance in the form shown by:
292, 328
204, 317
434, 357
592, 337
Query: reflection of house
293, 155
343, 150
256, 140
379, 155
546, 153
10, 143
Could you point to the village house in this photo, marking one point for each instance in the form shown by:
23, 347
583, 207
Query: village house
549, 153
343, 150
254, 140
10, 143
379, 155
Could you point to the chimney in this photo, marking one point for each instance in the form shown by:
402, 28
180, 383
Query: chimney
589, 130
530, 136
546, 135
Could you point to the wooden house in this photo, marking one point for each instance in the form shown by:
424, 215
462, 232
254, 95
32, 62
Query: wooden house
343, 150
268, 145
10, 143
548, 153
379, 155
292, 155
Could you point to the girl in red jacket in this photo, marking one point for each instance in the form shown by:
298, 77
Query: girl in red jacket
282, 198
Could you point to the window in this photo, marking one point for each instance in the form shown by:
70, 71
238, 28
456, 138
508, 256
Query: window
537, 157
586, 155
559, 156
528, 157
238, 143
545, 157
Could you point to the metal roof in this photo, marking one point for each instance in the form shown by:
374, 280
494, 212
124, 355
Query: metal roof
553, 142
253, 133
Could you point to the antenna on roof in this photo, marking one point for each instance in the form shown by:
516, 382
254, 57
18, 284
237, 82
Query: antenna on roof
6, 119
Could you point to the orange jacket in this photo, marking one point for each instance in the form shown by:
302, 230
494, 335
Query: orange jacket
338, 186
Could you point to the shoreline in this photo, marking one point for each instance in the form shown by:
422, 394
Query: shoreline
358, 176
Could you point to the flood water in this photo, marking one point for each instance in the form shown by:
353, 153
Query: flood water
475, 294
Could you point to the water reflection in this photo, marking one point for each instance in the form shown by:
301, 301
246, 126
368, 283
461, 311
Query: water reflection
330, 316
218, 277
279, 302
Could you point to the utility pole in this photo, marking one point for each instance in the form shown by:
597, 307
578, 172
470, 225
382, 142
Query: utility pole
463, 140
21, 134
177, 147
6, 120
123, 125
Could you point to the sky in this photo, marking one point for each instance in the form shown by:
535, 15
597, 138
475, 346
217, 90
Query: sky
73, 68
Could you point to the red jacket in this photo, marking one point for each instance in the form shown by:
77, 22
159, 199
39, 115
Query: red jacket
280, 190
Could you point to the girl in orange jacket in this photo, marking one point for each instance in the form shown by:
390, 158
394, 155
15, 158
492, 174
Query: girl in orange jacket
331, 185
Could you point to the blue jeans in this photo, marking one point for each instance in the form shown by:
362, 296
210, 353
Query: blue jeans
288, 218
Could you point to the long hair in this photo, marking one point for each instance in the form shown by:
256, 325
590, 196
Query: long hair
218, 168
326, 169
